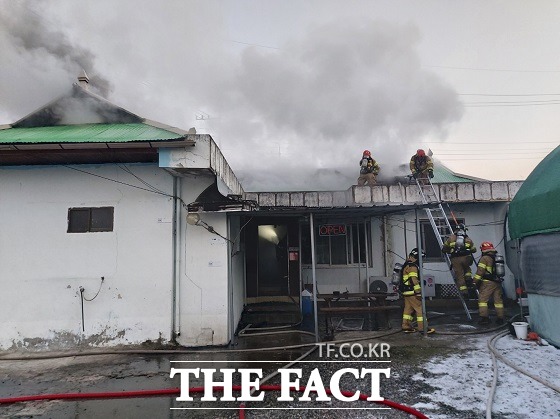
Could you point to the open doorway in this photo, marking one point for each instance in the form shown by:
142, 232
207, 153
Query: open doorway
272, 257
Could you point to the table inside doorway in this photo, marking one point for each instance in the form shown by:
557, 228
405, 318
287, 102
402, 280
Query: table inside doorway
349, 303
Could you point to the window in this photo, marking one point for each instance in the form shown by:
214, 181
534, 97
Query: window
430, 244
84, 220
337, 244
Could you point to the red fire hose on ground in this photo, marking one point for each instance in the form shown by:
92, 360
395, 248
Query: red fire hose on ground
172, 391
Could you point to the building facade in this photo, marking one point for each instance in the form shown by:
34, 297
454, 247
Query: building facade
117, 230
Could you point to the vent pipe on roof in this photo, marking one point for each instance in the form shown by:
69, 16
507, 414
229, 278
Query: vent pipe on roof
83, 80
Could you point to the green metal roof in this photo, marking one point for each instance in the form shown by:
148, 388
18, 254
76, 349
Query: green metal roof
443, 175
86, 133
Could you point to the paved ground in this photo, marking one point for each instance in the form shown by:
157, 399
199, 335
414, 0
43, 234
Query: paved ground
102, 373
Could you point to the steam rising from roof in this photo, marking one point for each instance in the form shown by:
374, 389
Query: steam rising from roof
293, 118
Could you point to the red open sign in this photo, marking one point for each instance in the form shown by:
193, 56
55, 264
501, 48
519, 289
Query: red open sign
332, 230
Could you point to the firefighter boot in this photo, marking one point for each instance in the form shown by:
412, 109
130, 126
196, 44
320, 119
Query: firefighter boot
484, 320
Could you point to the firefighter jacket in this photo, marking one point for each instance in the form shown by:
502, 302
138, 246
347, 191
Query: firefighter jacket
485, 270
410, 280
450, 247
370, 167
421, 164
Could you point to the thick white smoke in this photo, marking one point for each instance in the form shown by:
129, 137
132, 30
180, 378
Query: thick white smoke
296, 117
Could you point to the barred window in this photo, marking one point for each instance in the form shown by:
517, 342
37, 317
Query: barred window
344, 245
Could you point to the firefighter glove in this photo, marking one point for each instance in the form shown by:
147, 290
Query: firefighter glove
431, 173
414, 174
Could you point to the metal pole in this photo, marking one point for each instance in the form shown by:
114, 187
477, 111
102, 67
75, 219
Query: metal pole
420, 276
300, 273
367, 252
312, 230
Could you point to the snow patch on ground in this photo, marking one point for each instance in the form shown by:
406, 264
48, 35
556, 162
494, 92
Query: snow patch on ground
463, 381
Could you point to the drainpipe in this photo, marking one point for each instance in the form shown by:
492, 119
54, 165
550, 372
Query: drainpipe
230, 280
176, 238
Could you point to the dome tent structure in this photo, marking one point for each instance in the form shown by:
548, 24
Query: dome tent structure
534, 219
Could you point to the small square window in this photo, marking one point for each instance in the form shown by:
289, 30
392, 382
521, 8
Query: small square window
84, 220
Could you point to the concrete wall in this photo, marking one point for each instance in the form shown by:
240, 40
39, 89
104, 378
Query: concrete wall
203, 274
43, 266
388, 194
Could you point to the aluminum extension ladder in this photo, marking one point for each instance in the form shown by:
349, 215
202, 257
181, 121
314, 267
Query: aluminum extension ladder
438, 220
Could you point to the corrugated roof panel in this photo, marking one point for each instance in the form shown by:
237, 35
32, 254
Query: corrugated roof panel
443, 175
87, 133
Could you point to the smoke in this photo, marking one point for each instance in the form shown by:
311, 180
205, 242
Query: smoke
293, 117
318, 102
39, 59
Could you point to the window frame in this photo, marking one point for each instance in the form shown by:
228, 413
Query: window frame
92, 220
433, 255
352, 244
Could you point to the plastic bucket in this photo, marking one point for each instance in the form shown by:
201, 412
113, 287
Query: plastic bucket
520, 329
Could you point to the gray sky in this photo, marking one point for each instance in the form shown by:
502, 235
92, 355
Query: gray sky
293, 91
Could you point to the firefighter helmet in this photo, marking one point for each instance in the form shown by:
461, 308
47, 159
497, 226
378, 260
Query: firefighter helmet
367, 153
420, 152
485, 246
414, 253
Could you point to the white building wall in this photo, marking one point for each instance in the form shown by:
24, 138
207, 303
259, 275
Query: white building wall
483, 220
203, 274
43, 266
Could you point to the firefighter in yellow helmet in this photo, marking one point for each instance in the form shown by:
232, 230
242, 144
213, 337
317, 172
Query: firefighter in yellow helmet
412, 293
490, 285
369, 169
460, 249
421, 166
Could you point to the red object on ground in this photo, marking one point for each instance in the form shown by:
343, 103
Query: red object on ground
532, 336
170, 391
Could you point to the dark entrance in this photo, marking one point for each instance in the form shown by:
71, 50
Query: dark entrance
272, 257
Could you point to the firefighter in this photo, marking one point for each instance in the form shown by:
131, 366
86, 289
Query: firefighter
489, 285
460, 249
421, 166
369, 169
412, 293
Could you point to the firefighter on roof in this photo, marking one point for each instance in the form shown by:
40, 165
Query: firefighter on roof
368, 169
490, 283
412, 293
421, 166
460, 248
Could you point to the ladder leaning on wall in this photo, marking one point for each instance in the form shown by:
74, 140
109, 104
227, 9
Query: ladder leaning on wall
438, 220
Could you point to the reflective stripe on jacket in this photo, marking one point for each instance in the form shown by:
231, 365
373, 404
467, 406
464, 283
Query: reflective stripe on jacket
485, 268
410, 279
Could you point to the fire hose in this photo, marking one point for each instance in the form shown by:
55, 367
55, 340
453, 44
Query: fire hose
173, 391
